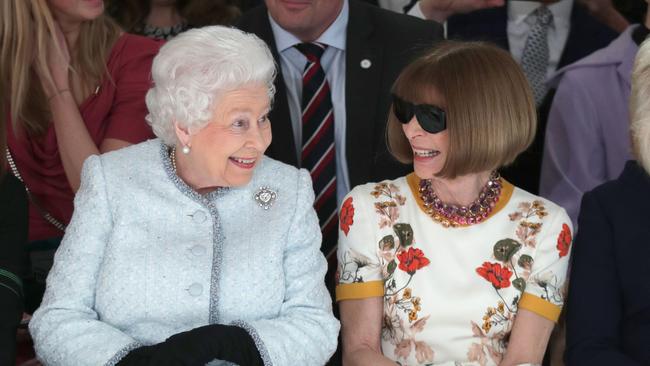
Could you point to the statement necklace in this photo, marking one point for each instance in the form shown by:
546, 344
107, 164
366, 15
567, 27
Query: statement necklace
452, 215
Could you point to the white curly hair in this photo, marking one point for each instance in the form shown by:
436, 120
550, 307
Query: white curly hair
193, 69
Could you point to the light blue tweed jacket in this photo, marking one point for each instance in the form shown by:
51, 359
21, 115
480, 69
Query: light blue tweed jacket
146, 257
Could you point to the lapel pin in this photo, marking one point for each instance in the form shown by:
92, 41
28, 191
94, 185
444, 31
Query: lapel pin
265, 197
365, 63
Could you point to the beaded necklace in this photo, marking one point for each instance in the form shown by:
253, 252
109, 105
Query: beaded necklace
453, 215
172, 157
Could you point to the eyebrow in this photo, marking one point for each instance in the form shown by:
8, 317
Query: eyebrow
247, 110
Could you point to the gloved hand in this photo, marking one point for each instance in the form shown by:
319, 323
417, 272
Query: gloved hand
198, 347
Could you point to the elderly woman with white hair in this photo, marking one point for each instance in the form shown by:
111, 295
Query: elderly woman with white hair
193, 248
608, 311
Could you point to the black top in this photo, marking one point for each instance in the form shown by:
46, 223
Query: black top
640, 33
608, 308
13, 262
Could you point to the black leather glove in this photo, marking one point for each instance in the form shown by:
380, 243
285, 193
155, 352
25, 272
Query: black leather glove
198, 347
137, 357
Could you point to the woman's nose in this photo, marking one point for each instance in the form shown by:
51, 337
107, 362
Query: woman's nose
412, 128
259, 138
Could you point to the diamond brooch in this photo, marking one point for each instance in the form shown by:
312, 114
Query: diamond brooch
265, 197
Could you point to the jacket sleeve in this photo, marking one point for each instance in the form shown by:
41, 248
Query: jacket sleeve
305, 331
595, 303
573, 161
66, 328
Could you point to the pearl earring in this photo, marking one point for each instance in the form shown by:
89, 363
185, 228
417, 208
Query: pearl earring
185, 149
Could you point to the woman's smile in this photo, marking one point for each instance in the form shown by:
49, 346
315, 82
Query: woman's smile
244, 163
424, 154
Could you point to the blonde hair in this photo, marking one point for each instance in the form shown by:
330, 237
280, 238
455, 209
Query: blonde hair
489, 107
25, 30
640, 106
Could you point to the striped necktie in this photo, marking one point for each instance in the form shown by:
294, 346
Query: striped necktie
318, 151
534, 60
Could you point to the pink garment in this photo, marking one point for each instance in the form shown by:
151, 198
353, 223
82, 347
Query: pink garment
116, 110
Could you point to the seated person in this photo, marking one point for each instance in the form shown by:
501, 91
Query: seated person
452, 264
608, 309
193, 248
164, 19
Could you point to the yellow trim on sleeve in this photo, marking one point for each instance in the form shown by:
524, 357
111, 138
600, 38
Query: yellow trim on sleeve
359, 290
506, 192
540, 306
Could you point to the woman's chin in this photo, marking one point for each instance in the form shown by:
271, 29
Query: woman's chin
426, 171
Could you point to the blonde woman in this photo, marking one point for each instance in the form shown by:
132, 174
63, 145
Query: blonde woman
452, 264
608, 310
72, 85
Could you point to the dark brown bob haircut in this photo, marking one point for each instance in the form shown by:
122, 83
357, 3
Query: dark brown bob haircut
489, 106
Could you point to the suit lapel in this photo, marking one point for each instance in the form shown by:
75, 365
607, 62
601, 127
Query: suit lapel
573, 45
586, 35
363, 63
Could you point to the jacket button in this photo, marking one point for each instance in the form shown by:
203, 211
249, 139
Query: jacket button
198, 250
199, 217
195, 289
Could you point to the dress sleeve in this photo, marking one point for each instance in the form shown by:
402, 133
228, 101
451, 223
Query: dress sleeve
126, 120
545, 288
359, 273
573, 160
66, 328
305, 331
595, 304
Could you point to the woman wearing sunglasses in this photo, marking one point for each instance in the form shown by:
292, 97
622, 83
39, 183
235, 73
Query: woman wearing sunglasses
452, 264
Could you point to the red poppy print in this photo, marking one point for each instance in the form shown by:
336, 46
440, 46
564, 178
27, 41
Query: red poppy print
494, 273
346, 218
564, 241
411, 260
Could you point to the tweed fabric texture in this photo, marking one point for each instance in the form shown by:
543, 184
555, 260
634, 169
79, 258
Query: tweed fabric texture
146, 257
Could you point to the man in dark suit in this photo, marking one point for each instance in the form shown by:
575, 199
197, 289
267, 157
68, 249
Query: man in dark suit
585, 35
361, 50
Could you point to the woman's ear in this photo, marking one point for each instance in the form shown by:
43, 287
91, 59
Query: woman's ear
183, 134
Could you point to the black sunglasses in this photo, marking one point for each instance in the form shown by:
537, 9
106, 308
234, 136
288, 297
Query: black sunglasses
431, 118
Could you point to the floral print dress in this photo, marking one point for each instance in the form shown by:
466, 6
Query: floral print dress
451, 294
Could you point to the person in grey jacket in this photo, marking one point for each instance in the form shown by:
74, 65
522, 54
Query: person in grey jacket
193, 248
